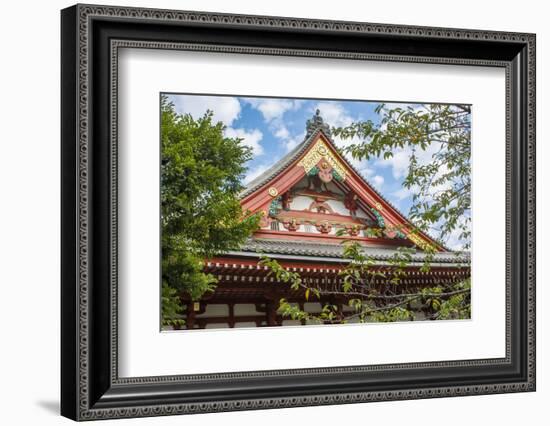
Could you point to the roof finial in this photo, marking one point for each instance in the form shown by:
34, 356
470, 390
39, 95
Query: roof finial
316, 122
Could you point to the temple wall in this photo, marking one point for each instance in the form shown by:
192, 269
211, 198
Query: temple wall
221, 312
300, 202
246, 309
214, 311
338, 207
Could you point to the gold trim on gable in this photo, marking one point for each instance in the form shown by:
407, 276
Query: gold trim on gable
316, 153
418, 241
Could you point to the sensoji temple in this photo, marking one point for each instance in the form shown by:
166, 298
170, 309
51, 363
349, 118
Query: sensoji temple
304, 199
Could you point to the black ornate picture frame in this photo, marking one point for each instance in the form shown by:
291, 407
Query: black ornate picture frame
90, 385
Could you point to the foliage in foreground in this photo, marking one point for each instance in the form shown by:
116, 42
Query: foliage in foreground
201, 216
368, 300
437, 140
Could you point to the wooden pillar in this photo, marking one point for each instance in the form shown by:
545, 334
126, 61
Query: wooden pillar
190, 320
271, 313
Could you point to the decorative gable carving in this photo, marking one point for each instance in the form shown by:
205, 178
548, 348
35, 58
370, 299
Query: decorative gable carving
319, 160
314, 190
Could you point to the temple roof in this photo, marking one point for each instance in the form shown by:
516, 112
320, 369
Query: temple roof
316, 127
282, 164
296, 152
319, 248
271, 246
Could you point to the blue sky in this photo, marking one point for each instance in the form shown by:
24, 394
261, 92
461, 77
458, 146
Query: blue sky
273, 126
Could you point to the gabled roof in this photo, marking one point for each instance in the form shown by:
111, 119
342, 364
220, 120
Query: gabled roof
282, 164
316, 129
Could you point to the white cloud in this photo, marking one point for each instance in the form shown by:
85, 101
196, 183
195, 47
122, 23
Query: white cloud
453, 240
362, 167
254, 172
344, 143
292, 142
399, 162
334, 114
225, 108
257, 170
272, 111
402, 193
281, 132
250, 138
272, 108
366, 171
378, 181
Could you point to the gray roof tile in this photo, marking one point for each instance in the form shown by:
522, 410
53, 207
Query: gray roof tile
316, 249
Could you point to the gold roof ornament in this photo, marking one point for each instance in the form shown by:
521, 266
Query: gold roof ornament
321, 151
273, 191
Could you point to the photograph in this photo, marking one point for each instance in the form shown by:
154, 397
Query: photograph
266, 209
293, 211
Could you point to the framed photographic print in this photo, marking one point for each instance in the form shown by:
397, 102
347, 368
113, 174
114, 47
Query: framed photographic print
263, 212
